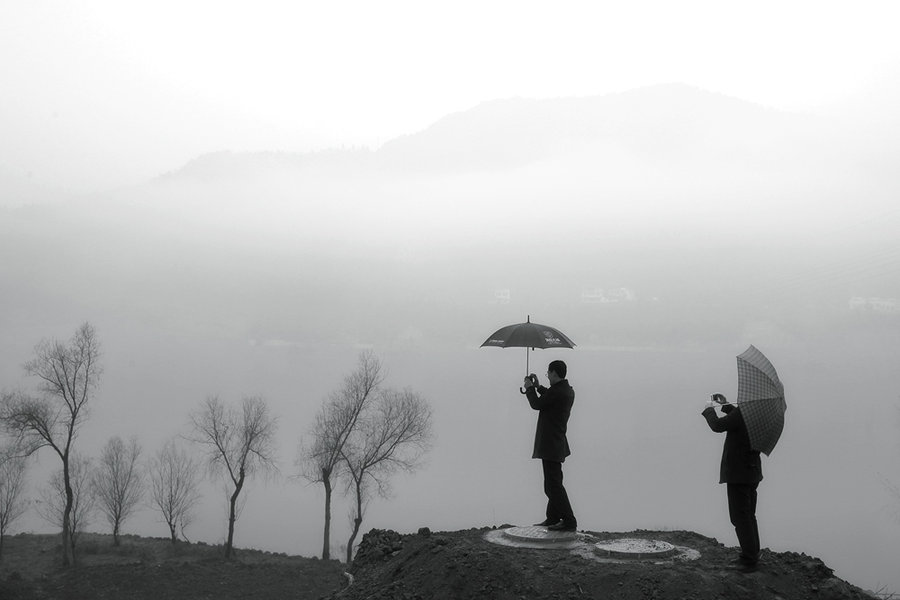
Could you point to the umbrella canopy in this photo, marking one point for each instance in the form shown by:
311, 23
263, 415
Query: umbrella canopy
761, 399
528, 335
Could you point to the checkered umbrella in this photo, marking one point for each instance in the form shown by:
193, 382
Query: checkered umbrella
761, 399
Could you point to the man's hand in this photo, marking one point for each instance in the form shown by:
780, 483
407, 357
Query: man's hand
719, 398
710, 404
530, 380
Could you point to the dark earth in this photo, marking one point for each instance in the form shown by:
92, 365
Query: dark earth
463, 565
388, 565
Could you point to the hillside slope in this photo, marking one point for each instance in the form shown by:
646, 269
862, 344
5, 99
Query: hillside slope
451, 565
463, 565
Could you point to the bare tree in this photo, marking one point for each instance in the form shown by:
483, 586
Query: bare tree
68, 375
118, 482
12, 483
393, 437
239, 443
174, 476
55, 498
336, 420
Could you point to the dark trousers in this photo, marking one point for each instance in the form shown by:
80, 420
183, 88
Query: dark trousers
742, 511
558, 506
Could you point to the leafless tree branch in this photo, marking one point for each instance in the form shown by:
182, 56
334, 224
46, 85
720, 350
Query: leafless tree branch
54, 502
238, 444
12, 484
174, 477
67, 376
393, 436
118, 482
320, 457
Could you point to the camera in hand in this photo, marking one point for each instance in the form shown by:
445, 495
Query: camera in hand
533, 379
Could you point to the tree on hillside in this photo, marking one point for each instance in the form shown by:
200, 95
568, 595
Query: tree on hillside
54, 498
174, 477
12, 483
238, 443
337, 419
68, 375
393, 436
118, 482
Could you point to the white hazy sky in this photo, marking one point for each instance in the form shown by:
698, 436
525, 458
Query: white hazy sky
98, 93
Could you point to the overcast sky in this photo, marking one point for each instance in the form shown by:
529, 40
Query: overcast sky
99, 93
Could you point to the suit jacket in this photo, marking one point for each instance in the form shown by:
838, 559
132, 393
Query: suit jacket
554, 405
740, 462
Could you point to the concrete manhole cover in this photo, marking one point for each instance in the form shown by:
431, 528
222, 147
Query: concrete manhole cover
636, 548
534, 537
538, 534
587, 546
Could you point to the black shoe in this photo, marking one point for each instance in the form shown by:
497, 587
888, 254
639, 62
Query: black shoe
563, 526
547, 522
744, 565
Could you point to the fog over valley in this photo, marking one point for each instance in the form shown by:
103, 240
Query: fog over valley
664, 227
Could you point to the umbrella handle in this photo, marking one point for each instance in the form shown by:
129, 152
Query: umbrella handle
534, 382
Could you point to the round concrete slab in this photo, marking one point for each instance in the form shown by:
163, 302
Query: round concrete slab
538, 534
587, 546
635, 548
535, 537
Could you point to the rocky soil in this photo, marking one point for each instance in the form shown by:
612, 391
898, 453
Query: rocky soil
463, 564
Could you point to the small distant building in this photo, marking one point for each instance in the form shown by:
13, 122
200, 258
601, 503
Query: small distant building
610, 296
876, 305
501, 296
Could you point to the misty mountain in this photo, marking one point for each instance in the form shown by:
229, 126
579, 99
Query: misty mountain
662, 122
710, 211
648, 157
657, 122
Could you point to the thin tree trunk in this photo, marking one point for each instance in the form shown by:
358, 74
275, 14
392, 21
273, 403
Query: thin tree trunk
232, 516
326, 542
67, 533
356, 524
231, 519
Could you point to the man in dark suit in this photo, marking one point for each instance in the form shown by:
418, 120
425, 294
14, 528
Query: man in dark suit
741, 471
554, 405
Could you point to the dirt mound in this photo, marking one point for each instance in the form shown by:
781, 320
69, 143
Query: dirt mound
463, 564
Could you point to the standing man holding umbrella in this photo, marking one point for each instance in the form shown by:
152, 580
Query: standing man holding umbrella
554, 405
751, 427
741, 472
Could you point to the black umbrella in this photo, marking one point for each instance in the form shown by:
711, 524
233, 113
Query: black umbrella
528, 335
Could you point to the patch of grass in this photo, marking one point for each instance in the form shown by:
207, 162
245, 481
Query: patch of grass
155, 568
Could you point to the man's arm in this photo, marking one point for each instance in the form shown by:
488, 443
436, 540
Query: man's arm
731, 421
538, 397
